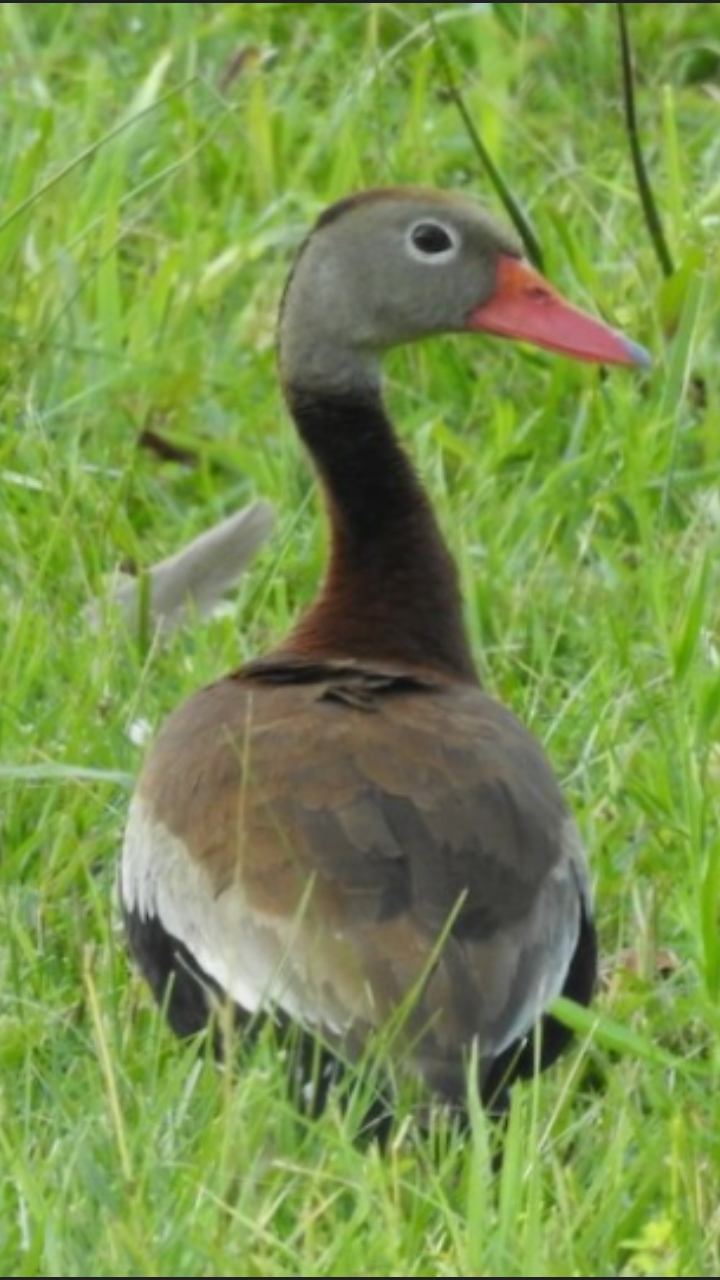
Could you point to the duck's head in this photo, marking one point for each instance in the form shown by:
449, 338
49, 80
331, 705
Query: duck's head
391, 266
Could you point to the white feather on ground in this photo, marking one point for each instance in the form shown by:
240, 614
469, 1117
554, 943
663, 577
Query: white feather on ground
191, 582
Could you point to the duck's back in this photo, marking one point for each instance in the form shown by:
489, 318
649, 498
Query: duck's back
344, 843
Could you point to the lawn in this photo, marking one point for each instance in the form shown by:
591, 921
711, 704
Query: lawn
161, 163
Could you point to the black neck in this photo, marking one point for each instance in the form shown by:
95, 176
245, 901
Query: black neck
391, 588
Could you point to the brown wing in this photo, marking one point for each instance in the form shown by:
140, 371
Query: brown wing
336, 841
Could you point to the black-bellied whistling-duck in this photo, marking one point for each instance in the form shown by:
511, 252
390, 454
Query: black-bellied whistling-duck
350, 825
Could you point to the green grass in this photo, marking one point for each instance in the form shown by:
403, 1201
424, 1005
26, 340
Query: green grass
152, 189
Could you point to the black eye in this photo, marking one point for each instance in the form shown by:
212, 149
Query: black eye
430, 238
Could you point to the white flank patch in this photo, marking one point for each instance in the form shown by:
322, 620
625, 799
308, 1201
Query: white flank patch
259, 960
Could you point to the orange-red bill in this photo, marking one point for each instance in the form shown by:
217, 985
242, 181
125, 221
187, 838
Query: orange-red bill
525, 307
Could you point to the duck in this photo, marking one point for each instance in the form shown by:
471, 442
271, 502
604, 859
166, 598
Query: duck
350, 834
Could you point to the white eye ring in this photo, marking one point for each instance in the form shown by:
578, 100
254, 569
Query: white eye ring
441, 242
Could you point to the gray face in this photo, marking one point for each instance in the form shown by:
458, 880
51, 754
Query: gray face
390, 268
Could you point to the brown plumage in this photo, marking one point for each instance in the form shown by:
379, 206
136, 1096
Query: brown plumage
351, 821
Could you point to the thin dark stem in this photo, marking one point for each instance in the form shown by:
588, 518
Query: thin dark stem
510, 204
647, 198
